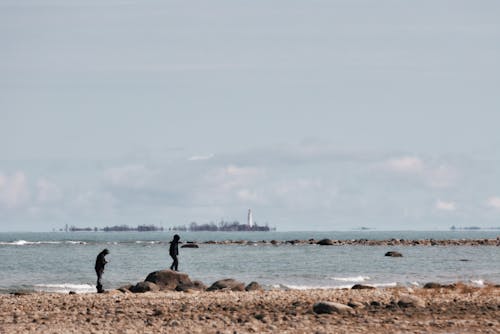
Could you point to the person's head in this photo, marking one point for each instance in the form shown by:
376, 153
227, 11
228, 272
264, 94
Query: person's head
176, 237
105, 251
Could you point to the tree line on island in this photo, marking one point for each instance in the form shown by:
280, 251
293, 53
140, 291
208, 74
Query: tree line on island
115, 228
223, 226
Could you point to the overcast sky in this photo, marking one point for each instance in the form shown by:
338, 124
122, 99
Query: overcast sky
318, 115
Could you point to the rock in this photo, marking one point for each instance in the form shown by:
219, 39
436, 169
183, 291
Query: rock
325, 242
274, 242
195, 285
362, 287
411, 301
253, 286
72, 293
125, 288
142, 287
355, 304
227, 284
169, 279
433, 285
190, 245
394, 254
330, 307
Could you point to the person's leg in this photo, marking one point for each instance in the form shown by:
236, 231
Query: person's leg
99, 284
175, 264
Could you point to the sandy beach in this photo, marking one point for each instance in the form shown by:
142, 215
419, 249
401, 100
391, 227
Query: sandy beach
461, 309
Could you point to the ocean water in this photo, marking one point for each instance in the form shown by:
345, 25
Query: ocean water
61, 262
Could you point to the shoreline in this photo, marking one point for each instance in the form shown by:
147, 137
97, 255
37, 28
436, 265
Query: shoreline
457, 309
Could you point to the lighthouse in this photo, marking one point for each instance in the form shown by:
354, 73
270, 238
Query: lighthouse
250, 218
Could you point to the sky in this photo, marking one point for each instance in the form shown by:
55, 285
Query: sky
317, 115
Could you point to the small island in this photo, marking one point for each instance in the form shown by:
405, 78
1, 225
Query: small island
223, 226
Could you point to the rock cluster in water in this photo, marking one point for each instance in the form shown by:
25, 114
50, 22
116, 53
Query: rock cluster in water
364, 242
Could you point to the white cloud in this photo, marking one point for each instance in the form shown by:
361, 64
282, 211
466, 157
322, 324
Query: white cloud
130, 176
201, 157
14, 190
494, 202
48, 192
247, 195
445, 205
430, 173
406, 164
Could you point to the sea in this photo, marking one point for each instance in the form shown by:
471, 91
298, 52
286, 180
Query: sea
62, 262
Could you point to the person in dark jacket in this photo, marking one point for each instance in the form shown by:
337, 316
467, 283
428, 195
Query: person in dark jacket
174, 252
100, 262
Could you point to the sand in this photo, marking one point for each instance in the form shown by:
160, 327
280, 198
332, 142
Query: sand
462, 309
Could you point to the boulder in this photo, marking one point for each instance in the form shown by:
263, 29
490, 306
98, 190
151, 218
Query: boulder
190, 245
433, 285
411, 301
142, 287
330, 307
253, 286
227, 284
169, 279
195, 285
125, 288
355, 304
394, 254
325, 242
362, 287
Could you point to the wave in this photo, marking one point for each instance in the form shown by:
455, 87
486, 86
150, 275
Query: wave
65, 288
355, 279
46, 242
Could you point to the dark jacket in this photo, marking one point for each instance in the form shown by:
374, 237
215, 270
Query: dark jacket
174, 248
100, 261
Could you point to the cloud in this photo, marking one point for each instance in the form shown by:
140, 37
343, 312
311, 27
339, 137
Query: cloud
431, 173
48, 192
494, 202
201, 157
130, 176
445, 205
405, 164
14, 190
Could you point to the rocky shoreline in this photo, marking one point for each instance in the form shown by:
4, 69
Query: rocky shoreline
454, 308
357, 242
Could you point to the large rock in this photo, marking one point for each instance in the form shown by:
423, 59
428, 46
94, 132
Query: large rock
227, 284
411, 301
325, 242
142, 287
362, 287
330, 307
169, 279
394, 254
195, 285
253, 286
433, 285
190, 245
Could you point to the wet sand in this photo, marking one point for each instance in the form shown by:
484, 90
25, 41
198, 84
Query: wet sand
462, 309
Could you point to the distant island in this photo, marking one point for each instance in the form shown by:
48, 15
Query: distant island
115, 228
223, 226
473, 228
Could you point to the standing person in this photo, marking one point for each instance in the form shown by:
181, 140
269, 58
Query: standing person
174, 251
100, 262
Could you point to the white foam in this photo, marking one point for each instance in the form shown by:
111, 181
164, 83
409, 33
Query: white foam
65, 288
16, 243
314, 287
351, 279
46, 242
478, 282
385, 285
